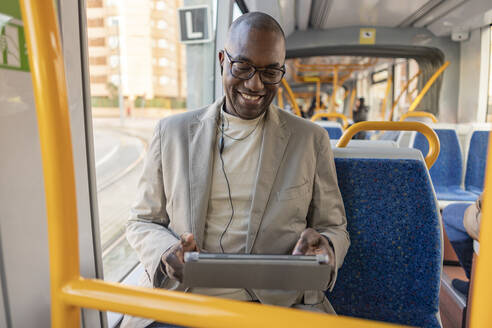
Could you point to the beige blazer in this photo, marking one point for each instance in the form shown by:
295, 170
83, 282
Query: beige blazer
296, 187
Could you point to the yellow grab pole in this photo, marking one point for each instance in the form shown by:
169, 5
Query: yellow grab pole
48, 77
318, 95
427, 86
405, 87
434, 145
386, 95
318, 116
345, 94
280, 98
352, 101
291, 97
334, 89
481, 316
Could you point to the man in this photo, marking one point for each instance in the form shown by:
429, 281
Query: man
239, 176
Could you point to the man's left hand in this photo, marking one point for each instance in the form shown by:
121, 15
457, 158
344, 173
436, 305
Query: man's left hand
312, 242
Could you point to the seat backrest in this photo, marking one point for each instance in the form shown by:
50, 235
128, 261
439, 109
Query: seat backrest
334, 129
367, 143
476, 161
392, 269
390, 135
448, 168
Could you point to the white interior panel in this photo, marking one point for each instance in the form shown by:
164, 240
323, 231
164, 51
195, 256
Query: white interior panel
387, 13
471, 15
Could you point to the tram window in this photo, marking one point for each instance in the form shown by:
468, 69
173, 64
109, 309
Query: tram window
236, 11
138, 76
380, 76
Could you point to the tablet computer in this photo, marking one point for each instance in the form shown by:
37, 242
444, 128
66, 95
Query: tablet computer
258, 271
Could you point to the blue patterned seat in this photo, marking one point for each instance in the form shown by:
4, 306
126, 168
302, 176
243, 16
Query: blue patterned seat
334, 132
334, 129
392, 269
475, 164
447, 171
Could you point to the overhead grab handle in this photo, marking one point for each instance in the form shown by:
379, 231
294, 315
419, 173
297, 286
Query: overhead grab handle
434, 145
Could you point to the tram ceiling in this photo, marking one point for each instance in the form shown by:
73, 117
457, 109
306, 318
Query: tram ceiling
441, 17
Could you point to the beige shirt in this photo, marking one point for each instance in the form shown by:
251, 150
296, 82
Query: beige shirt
241, 153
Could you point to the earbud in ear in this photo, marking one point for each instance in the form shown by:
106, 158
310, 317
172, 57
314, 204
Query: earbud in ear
221, 69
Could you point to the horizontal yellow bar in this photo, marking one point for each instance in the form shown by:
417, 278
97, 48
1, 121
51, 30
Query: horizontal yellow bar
196, 310
418, 114
311, 79
318, 116
434, 145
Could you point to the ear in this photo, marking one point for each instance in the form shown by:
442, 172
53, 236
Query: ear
221, 60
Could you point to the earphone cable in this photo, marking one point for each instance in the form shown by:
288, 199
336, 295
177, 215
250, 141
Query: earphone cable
237, 139
230, 201
221, 149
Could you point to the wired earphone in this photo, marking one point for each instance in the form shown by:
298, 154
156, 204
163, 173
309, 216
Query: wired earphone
221, 150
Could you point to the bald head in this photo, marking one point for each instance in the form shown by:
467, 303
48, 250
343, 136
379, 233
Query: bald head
254, 20
255, 44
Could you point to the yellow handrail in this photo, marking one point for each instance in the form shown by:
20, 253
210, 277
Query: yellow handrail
405, 87
48, 76
69, 291
352, 100
318, 89
481, 316
318, 116
280, 98
434, 145
418, 114
389, 82
291, 98
334, 90
427, 86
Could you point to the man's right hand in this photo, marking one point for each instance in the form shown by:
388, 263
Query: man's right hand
173, 258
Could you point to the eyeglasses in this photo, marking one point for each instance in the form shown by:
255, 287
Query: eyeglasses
245, 71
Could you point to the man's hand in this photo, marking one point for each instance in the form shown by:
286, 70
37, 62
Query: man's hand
173, 259
312, 242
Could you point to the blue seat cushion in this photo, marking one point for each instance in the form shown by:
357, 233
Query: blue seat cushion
392, 269
334, 132
476, 161
452, 217
454, 193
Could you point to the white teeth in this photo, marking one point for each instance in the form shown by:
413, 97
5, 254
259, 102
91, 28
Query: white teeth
250, 97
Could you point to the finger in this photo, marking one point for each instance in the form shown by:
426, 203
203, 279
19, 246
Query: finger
300, 248
311, 237
307, 243
174, 266
188, 242
303, 248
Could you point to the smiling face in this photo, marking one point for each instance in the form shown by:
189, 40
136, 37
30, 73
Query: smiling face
249, 99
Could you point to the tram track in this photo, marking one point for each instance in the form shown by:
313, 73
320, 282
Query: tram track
113, 179
117, 177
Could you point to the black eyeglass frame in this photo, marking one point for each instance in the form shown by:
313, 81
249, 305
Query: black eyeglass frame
255, 69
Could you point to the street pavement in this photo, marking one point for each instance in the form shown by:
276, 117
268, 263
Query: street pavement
119, 153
